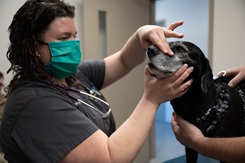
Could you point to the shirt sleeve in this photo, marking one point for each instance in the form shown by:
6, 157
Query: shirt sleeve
93, 70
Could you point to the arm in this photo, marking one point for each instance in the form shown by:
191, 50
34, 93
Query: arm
225, 149
238, 73
133, 52
124, 144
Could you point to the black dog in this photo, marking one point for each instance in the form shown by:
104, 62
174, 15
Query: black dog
215, 108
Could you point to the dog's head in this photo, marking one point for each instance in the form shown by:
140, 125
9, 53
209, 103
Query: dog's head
162, 65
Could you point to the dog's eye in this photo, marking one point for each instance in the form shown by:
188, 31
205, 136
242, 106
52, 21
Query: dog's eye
180, 49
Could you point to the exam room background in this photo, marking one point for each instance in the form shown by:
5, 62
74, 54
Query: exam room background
225, 43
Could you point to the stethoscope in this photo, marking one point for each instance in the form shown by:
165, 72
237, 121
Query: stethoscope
92, 93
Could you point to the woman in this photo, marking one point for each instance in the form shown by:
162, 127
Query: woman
54, 111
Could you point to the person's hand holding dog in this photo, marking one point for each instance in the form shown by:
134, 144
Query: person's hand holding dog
185, 132
163, 90
225, 149
238, 74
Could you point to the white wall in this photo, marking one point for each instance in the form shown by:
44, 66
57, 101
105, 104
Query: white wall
194, 13
7, 11
228, 34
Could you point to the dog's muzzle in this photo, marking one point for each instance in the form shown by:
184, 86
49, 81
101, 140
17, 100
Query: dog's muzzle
161, 65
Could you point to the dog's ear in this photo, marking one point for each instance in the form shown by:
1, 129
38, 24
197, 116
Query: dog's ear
203, 70
207, 76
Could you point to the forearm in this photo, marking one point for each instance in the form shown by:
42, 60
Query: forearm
225, 149
132, 53
126, 142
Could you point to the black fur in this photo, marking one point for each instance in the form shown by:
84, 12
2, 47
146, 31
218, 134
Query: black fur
214, 107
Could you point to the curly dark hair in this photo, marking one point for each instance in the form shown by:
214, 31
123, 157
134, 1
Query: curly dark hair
27, 27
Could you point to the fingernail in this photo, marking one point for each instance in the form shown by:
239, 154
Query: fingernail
191, 69
231, 84
165, 51
185, 65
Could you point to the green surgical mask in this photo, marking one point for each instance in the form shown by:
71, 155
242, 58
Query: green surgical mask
66, 55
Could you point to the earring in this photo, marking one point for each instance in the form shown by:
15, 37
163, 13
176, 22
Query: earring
38, 55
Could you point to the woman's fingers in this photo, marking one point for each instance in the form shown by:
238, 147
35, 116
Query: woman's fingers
179, 77
170, 30
175, 25
158, 39
157, 35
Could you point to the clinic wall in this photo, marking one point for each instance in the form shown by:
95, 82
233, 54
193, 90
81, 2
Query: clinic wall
7, 10
195, 17
123, 18
227, 49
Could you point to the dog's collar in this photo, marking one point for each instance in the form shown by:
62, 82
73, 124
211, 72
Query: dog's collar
240, 92
214, 116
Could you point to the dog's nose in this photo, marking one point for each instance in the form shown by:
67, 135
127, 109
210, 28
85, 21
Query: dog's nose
151, 52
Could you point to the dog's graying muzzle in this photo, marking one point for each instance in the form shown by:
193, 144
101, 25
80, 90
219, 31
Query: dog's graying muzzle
160, 64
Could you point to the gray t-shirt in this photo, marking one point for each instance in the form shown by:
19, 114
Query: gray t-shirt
43, 124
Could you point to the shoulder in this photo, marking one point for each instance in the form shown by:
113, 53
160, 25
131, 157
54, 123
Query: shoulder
93, 71
88, 64
31, 90
89, 68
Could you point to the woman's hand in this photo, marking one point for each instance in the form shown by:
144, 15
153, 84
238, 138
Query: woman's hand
133, 52
157, 35
238, 73
161, 90
185, 132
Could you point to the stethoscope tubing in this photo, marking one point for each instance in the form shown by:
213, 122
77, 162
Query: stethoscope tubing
65, 90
